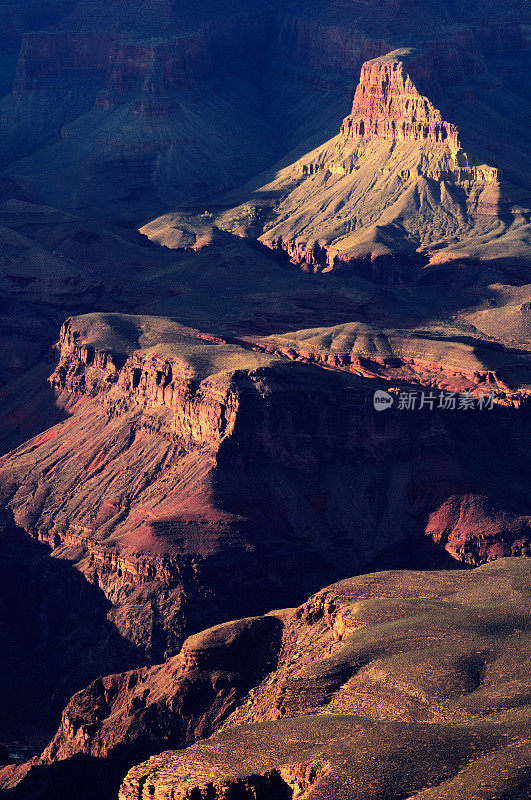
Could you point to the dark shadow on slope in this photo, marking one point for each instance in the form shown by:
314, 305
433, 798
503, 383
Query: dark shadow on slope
473, 273
416, 553
82, 777
173, 721
28, 406
55, 633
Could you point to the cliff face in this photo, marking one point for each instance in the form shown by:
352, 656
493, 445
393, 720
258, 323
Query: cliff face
202, 412
183, 461
387, 105
118, 71
396, 653
63, 58
324, 55
59, 60
171, 480
205, 67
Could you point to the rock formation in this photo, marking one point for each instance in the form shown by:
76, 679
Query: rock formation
387, 105
381, 658
182, 455
394, 190
375, 666
234, 273
89, 75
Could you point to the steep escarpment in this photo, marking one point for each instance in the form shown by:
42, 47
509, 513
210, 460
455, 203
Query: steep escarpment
17, 18
378, 657
162, 91
184, 458
393, 194
388, 105
61, 59
228, 456
322, 54
120, 64
201, 413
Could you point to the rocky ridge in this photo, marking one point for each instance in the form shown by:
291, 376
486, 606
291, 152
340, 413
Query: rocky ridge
392, 193
407, 657
170, 463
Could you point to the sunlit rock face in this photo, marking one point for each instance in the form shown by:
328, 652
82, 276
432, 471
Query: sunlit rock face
395, 190
240, 221
388, 105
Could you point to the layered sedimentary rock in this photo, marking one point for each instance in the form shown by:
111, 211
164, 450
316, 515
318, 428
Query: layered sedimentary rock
52, 265
61, 59
382, 662
388, 105
148, 58
121, 65
430, 358
322, 54
395, 191
167, 459
185, 458
114, 65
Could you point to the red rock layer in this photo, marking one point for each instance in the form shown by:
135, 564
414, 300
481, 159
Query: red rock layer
324, 55
63, 58
201, 413
158, 484
387, 105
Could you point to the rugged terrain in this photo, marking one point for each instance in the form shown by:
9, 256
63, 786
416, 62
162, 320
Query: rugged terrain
181, 457
395, 195
423, 676
244, 221
121, 109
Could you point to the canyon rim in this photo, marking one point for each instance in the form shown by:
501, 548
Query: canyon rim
265, 400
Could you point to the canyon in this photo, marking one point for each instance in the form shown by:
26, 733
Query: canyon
223, 229
182, 456
394, 669
164, 89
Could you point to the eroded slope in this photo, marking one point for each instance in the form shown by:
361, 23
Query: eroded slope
392, 682
395, 192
